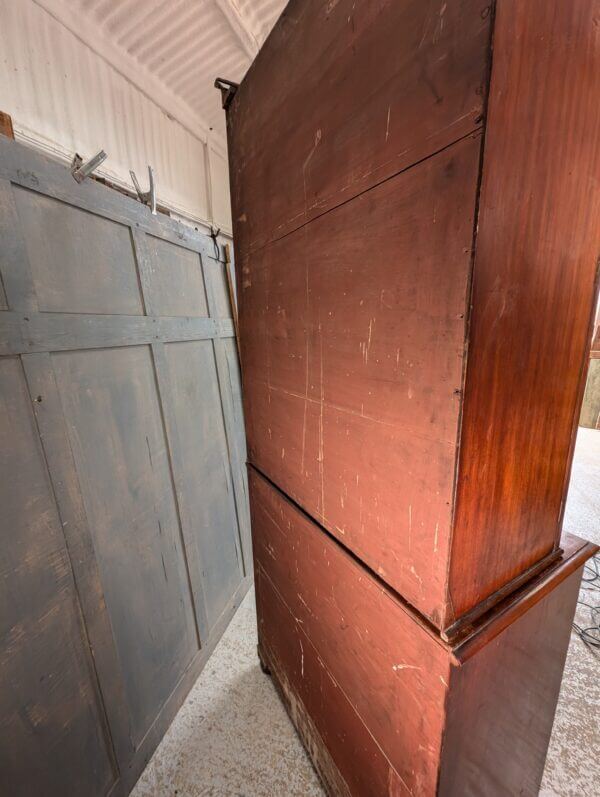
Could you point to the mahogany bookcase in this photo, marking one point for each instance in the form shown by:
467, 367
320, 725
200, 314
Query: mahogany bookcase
415, 192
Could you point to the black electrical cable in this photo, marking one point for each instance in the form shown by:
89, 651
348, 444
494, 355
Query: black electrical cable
590, 635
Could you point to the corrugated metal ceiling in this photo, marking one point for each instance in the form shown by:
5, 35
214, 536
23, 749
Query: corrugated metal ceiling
187, 43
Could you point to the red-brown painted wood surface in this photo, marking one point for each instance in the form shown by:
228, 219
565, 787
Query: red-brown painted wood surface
393, 673
352, 338
329, 725
502, 702
383, 705
533, 292
354, 264
344, 95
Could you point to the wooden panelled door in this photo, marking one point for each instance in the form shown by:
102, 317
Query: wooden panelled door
125, 529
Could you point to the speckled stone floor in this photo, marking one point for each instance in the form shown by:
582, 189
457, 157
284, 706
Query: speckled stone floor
573, 762
232, 736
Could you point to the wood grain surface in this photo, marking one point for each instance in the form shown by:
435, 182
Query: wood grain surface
417, 270
118, 443
378, 331
502, 702
393, 672
352, 340
534, 291
383, 704
125, 532
344, 95
48, 689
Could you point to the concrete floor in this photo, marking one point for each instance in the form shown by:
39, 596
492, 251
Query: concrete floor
232, 736
573, 762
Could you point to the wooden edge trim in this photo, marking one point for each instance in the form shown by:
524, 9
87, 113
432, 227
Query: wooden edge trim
232, 297
235, 470
466, 621
575, 555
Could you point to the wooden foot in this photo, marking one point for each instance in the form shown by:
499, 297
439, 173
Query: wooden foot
263, 664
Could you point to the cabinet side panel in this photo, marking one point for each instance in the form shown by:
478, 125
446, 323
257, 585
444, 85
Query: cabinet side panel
534, 288
502, 702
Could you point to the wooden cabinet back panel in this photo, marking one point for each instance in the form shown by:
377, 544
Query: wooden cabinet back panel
367, 643
343, 96
122, 553
353, 333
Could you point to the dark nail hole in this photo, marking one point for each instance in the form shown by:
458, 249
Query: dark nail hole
39, 399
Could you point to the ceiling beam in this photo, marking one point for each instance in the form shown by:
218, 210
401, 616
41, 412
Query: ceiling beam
92, 35
240, 27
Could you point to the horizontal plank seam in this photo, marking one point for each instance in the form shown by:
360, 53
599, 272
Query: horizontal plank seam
26, 332
252, 251
553, 574
451, 444
394, 596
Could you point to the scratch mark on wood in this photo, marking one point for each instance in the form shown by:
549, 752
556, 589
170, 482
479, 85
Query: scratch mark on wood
396, 667
149, 452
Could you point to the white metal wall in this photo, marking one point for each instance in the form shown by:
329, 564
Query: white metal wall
64, 97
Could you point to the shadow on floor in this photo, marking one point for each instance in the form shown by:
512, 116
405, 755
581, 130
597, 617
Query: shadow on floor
232, 737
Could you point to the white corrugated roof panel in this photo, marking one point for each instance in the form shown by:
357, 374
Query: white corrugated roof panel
185, 43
